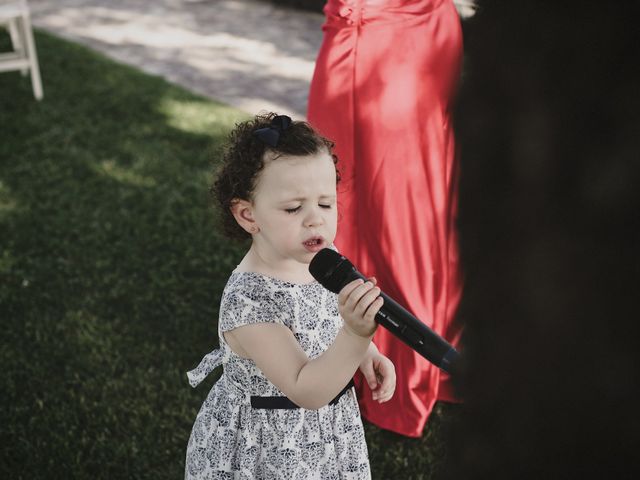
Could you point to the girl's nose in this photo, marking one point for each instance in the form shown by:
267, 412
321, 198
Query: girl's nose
314, 217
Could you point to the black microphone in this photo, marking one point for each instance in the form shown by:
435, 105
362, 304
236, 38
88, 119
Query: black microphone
334, 271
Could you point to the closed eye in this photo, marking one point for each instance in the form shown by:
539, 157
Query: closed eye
292, 210
325, 206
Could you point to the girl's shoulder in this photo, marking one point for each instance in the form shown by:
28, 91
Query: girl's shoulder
253, 285
259, 286
251, 297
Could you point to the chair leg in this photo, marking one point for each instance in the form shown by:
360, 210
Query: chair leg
36, 81
17, 41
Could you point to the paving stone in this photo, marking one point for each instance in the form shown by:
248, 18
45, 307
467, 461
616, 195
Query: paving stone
250, 54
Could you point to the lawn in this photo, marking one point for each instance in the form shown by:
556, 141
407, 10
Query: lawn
111, 270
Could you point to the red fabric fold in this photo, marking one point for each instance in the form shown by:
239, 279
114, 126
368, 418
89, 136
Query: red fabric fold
382, 90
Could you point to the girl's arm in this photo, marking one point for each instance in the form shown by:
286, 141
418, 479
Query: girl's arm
379, 373
312, 384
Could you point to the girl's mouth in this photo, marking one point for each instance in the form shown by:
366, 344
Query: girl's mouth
314, 244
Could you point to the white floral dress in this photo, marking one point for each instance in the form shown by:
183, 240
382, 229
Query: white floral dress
232, 440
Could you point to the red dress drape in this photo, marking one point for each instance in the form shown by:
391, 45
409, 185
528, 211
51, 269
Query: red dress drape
382, 91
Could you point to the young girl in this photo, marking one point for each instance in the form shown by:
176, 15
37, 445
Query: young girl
284, 407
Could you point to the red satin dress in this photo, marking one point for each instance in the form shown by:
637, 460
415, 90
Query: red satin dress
382, 90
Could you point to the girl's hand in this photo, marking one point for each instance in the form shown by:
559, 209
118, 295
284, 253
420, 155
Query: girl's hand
380, 375
358, 302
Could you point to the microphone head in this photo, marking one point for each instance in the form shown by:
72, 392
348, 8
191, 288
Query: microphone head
331, 269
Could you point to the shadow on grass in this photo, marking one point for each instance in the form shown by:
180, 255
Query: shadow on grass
110, 266
111, 270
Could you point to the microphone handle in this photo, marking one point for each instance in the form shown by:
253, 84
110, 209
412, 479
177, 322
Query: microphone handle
401, 323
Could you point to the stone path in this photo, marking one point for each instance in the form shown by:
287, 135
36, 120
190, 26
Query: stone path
250, 54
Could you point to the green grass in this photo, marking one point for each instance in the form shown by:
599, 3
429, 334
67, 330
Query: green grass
111, 270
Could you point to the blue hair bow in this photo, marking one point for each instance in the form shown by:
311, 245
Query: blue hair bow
271, 134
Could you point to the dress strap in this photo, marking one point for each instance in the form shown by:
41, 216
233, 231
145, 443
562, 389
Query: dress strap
209, 363
280, 403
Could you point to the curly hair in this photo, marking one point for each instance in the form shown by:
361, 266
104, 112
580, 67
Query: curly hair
244, 158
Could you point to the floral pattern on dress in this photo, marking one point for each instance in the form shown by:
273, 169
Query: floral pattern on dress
230, 439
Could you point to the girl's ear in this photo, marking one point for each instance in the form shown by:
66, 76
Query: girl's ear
242, 211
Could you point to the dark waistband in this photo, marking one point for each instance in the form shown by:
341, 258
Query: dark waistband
284, 402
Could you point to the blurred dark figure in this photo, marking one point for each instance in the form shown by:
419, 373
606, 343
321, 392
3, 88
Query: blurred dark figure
548, 123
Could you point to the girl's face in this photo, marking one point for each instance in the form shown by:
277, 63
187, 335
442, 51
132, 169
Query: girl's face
294, 208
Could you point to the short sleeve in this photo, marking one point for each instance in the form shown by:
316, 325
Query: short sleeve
238, 309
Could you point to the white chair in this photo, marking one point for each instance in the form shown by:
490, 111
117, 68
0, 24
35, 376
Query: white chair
15, 15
